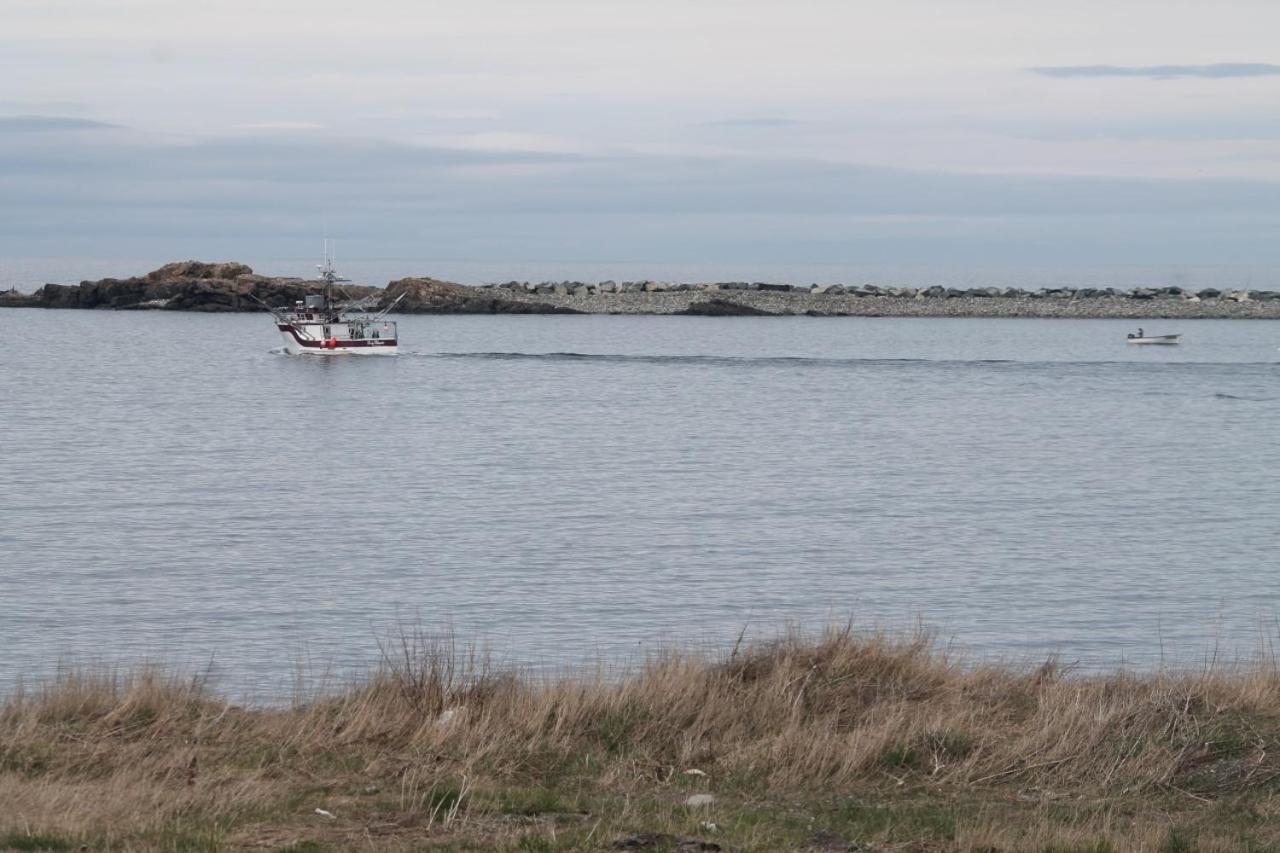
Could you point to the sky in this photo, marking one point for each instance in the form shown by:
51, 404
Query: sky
891, 133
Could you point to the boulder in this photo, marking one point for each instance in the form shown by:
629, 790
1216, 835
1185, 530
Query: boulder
716, 307
426, 290
197, 270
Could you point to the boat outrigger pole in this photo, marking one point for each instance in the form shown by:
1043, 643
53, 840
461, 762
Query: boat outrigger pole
384, 311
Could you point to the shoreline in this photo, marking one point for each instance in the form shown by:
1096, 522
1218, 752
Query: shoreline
233, 287
837, 741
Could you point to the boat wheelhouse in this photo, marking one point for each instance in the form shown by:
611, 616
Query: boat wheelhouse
318, 325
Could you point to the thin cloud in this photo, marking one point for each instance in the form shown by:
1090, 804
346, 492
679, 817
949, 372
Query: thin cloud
41, 124
1215, 71
763, 121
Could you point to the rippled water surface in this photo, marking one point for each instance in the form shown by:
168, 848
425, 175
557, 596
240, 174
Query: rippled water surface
564, 488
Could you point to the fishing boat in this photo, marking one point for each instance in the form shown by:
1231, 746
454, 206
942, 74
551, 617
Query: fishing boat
1142, 338
319, 325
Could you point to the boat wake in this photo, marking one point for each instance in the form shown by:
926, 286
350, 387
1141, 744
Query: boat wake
695, 360
806, 361
1223, 396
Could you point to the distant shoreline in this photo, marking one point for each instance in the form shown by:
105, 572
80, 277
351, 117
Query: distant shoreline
234, 287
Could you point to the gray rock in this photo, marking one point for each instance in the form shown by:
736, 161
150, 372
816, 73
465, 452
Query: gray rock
1209, 293
722, 308
662, 841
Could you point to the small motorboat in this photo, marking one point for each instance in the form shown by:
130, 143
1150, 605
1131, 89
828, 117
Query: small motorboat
1142, 338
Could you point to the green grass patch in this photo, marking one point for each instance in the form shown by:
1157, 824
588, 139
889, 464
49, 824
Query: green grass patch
532, 801
1178, 841
179, 838
35, 841
910, 820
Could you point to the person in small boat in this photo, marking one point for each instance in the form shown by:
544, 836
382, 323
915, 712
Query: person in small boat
1140, 334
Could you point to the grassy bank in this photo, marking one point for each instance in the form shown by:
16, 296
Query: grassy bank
838, 742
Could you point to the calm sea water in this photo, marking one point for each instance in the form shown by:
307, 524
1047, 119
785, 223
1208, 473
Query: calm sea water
565, 489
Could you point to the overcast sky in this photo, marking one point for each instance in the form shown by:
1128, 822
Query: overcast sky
900, 132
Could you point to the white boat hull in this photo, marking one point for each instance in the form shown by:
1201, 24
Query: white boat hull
297, 341
1158, 340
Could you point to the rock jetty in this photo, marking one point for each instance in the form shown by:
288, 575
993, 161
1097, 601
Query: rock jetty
230, 286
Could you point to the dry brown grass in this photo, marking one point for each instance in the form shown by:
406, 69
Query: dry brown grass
881, 741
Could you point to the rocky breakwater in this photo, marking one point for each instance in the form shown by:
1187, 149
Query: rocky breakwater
181, 286
197, 286
231, 286
432, 296
766, 299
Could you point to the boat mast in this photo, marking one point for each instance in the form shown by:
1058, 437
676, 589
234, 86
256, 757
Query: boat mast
329, 276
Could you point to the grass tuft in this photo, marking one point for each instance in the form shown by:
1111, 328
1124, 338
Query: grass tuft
882, 741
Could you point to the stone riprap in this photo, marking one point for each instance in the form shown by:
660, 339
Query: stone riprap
758, 299
197, 286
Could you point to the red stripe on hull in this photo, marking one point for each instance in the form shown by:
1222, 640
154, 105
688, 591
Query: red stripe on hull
380, 342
